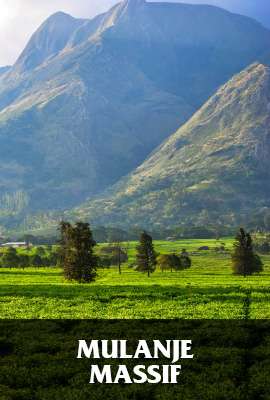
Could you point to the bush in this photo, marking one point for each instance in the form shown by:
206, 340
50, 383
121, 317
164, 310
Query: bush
173, 262
169, 262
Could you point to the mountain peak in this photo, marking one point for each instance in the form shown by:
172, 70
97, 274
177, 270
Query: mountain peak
252, 80
60, 14
48, 40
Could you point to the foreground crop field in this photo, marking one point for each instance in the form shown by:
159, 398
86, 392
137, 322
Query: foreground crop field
207, 290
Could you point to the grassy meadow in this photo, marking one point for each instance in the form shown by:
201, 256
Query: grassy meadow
208, 290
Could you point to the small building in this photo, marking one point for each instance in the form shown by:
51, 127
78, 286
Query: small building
171, 239
17, 245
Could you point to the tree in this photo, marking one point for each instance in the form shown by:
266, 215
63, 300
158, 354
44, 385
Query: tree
169, 262
146, 256
36, 261
24, 261
53, 258
244, 261
77, 256
115, 254
173, 262
185, 260
10, 258
120, 252
121, 255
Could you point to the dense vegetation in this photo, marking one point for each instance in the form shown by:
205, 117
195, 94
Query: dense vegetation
231, 360
41, 256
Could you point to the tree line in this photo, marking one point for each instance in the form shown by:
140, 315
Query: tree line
11, 258
77, 257
80, 263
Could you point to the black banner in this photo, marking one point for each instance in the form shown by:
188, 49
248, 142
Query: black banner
39, 359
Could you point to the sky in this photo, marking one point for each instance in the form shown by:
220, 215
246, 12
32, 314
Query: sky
20, 18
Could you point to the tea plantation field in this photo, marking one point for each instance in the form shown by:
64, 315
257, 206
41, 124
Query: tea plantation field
208, 290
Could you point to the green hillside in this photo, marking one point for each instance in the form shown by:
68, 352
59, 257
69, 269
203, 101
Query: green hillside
215, 169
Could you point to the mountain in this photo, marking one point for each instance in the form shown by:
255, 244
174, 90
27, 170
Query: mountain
48, 41
5, 69
89, 100
214, 168
260, 9
256, 9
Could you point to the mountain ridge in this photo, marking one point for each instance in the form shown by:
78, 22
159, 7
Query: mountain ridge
48, 41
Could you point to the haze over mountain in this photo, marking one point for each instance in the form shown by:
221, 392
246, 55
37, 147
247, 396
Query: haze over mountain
213, 169
88, 100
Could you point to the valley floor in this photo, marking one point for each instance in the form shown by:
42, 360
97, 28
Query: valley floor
207, 291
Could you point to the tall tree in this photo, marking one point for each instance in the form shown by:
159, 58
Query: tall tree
77, 256
120, 253
244, 260
10, 258
146, 256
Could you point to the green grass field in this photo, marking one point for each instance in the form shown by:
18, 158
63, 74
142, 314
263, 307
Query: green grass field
207, 290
